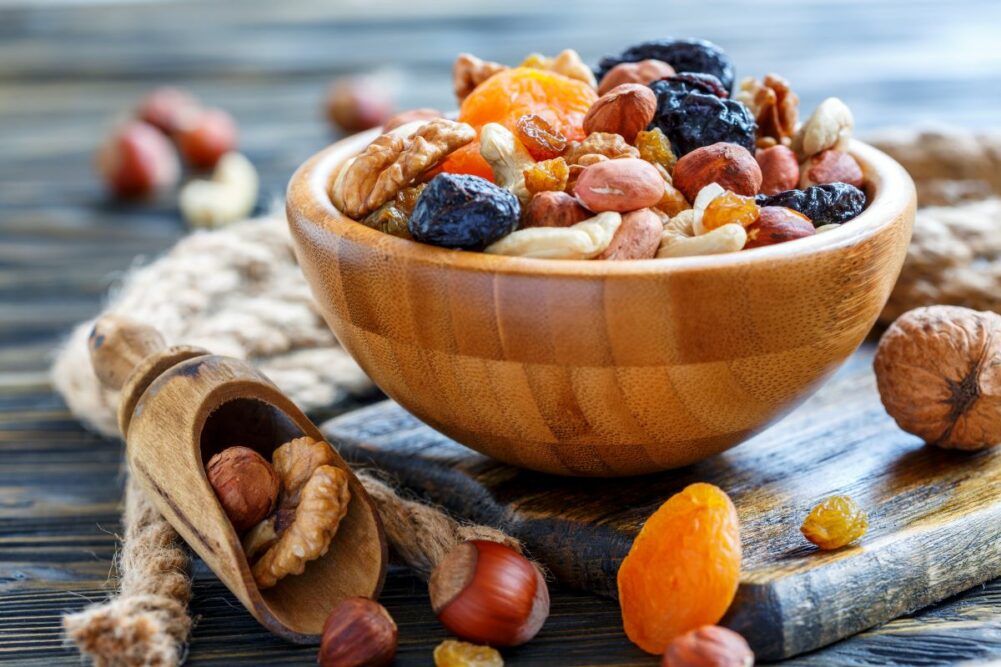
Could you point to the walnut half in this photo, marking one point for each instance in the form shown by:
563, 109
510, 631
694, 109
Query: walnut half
314, 499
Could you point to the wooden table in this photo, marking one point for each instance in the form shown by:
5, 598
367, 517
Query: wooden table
65, 72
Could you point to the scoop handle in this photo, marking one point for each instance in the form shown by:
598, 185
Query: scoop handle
118, 345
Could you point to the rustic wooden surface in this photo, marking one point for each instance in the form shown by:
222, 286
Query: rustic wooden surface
927, 507
66, 71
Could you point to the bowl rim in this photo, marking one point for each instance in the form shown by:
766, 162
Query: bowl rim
891, 192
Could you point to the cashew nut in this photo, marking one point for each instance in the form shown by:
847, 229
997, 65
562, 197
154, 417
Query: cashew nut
230, 195
830, 126
585, 240
507, 157
679, 238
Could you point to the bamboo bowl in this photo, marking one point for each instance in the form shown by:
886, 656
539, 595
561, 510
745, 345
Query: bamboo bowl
595, 368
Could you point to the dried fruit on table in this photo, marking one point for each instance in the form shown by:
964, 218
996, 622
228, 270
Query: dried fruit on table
460, 211
643, 72
393, 216
452, 653
391, 163
831, 166
732, 167
584, 240
708, 646
728, 209
938, 370
700, 120
683, 568
834, 203
835, 522
548, 175
625, 110
508, 95
778, 225
774, 106
655, 148
540, 138
684, 55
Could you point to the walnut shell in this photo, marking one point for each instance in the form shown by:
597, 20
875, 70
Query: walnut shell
938, 370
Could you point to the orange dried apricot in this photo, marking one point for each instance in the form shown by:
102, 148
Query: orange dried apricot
728, 208
507, 96
835, 522
683, 568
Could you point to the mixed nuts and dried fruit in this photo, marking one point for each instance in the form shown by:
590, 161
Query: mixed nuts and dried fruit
652, 154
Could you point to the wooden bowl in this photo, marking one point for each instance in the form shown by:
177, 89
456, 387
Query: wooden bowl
599, 368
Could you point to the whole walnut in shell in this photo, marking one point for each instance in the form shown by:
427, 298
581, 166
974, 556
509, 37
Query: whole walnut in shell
938, 370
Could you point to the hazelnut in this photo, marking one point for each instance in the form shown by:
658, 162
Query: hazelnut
205, 136
708, 646
410, 116
624, 110
358, 633
937, 372
137, 160
642, 72
777, 224
488, 593
553, 209
358, 103
165, 108
246, 485
730, 165
779, 169
831, 166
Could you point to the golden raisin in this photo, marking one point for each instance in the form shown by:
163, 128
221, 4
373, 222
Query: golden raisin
654, 147
539, 137
393, 216
547, 176
536, 61
835, 522
729, 208
452, 653
683, 568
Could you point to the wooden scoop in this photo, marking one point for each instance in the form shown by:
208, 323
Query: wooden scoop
179, 406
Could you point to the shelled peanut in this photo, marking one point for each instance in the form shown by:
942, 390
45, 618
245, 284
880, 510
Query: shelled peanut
652, 135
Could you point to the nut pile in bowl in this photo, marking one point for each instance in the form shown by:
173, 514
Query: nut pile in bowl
651, 154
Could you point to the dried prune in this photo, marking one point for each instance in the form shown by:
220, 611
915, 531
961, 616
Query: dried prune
698, 120
684, 55
462, 211
673, 89
833, 203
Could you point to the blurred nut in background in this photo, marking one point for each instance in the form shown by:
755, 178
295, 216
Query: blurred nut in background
358, 103
230, 195
166, 108
204, 136
642, 72
137, 160
246, 485
358, 633
410, 116
779, 169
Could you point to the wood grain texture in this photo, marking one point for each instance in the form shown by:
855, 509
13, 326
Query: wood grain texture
597, 368
935, 526
67, 70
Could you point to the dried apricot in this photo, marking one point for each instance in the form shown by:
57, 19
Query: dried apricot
835, 522
547, 175
539, 137
683, 568
507, 96
452, 653
729, 208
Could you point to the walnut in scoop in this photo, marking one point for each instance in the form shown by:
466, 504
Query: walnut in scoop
938, 370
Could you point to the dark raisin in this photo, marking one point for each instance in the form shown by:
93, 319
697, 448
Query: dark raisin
833, 203
698, 120
462, 211
684, 55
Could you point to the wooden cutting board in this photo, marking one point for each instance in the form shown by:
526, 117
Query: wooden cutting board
935, 516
